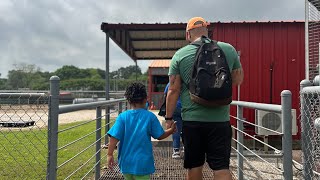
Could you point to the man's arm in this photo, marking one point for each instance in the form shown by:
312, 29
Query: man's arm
237, 76
172, 97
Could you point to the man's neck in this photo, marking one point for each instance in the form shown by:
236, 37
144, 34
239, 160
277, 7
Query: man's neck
197, 39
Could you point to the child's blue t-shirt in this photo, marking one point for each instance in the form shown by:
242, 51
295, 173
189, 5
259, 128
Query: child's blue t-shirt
134, 129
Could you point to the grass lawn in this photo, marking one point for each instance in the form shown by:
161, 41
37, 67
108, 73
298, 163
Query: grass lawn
23, 154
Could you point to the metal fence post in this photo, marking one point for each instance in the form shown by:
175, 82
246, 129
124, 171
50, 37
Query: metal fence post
107, 123
126, 105
240, 139
53, 128
107, 86
98, 143
286, 106
307, 159
120, 108
306, 38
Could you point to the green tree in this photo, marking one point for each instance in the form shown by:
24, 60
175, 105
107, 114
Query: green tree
27, 76
21, 76
72, 78
3, 83
83, 84
126, 72
16, 79
93, 73
102, 73
46, 75
69, 72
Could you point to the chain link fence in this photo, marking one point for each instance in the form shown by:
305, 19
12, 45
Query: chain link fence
310, 125
312, 14
39, 141
23, 135
77, 148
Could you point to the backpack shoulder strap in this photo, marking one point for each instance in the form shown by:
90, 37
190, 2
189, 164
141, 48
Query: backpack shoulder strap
215, 43
197, 43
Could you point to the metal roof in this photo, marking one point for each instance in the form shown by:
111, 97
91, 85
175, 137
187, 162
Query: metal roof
160, 64
154, 41
147, 41
315, 3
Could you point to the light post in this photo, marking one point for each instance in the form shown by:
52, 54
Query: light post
114, 82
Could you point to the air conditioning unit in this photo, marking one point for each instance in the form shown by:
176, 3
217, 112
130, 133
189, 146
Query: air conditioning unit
272, 121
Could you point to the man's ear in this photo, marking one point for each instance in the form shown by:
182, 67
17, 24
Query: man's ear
188, 36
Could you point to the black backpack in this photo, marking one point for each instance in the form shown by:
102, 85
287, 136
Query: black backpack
162, 110
210, 84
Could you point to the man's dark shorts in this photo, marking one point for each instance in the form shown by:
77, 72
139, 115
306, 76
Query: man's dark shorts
210, 141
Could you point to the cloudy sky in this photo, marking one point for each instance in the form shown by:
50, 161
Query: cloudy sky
53, 33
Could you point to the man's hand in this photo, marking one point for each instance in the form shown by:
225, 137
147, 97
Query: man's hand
169, 124
111, 162
173, 127
170, 130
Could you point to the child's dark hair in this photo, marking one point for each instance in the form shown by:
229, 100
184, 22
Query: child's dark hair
136, 93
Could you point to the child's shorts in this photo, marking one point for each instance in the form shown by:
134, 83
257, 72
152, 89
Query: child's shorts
136, 177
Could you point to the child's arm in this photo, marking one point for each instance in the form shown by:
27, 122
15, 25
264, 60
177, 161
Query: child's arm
168, 132
112, 145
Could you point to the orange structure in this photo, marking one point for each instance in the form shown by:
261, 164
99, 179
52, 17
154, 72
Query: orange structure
157, 81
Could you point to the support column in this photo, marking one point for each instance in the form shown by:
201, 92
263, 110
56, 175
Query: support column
136, 69
107, 87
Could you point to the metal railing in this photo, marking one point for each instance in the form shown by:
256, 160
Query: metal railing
310, 125
69, 154
257, 165
58, 158
244, 154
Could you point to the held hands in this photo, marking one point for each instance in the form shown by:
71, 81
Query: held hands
169, 124
173, 127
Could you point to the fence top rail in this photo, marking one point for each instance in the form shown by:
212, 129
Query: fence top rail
48, 91
77, 107
258, 106
6, 95
310, 89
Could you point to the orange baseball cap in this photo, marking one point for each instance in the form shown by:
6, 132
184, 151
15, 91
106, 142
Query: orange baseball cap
196, 22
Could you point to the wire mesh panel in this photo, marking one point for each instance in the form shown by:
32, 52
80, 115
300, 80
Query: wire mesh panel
23, 135
313, 34
310, 124
81, 142
258, 162
166, 166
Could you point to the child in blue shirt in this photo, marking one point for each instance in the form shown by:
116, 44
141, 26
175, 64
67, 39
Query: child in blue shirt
133, 130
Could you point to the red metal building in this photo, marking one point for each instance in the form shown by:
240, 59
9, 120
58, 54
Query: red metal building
272, 56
